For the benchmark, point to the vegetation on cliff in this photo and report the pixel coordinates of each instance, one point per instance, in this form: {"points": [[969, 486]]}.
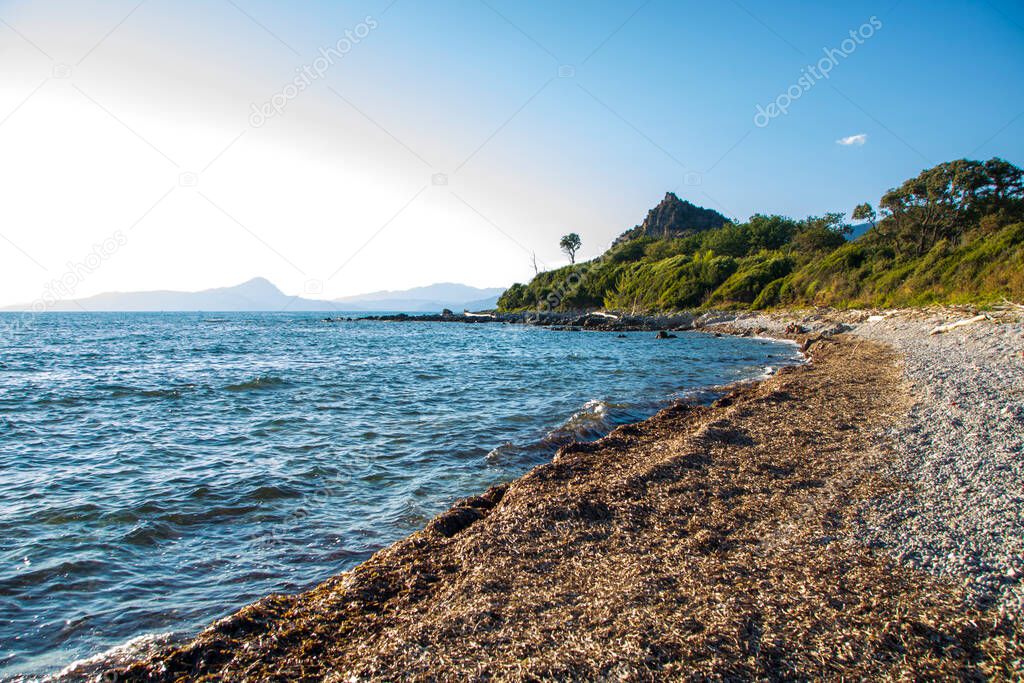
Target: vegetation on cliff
{"points": [[954, 233]]}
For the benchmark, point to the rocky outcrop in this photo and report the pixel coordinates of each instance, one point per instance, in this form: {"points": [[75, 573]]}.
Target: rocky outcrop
{"points": [[559, 320], [674, 217]]}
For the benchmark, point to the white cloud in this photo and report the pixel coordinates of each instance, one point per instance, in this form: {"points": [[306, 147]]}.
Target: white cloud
{"points": [[857, 140]]}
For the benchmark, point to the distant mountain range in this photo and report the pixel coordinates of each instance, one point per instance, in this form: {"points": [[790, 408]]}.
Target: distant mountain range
{"points": [[426, 299], [260, 294]]}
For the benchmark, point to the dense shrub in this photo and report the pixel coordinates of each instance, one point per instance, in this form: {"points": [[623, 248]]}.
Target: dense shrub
{"points": [[955, 233]]}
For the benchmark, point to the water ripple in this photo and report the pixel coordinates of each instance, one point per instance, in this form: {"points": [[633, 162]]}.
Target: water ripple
{"points": [[160, 471]]}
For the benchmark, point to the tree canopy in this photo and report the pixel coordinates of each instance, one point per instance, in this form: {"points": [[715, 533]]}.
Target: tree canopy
{"points": [[943, 201], [570, 244]]}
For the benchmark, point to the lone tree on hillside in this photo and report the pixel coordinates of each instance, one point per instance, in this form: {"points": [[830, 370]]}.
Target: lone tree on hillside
{"points": [[570, 244], [864, 212]]}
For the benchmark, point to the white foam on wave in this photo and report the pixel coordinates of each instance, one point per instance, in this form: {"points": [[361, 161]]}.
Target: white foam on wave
{"points": [[589, 422], [588, 418], [496, 454], [95, 669]]}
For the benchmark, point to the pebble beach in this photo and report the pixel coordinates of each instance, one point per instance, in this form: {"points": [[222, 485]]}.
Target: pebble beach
{"points": [[959, 450]]}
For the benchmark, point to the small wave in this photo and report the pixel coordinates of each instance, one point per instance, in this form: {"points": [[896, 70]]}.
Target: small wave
{"points": [[258, 383], [770, 370], [59, 573], [176, 392], [93, 668], [149, 534], [590, 422], [116, 391], [131, 516], [84, 512], [502, 452], [62, 401], [190, 519], [273, 492], [595, 419], [518, 418], [703, 395]]}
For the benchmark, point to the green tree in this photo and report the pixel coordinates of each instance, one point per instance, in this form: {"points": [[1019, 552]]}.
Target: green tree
{"points": [[865, 212], [570, 244], [1006, 181], [942, 201], [729, 240], [770, 232], [821, 233]]}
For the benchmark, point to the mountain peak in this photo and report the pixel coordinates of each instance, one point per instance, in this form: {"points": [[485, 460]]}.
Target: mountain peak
{"points": [[675, 217], [257, 294], [259, 286]]}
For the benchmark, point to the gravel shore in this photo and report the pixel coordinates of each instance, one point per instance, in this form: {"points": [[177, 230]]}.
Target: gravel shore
{"points": [[959, 453]]}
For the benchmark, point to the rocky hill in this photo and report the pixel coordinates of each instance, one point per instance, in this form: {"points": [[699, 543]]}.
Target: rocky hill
{"points": [[674, 217]]}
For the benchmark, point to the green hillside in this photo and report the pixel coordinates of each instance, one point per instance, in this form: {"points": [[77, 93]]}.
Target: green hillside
{"points": [[954, 234]]}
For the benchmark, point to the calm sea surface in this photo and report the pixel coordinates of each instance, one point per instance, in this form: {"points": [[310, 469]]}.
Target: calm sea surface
{"points": [[158, 471]]}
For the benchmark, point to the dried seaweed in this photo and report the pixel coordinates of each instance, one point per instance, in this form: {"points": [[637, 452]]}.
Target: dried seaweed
{"points": [[705, 543]]}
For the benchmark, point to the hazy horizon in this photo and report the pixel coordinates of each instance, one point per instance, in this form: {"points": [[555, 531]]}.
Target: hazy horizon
{"points": [[339, 149], [259, 294]]}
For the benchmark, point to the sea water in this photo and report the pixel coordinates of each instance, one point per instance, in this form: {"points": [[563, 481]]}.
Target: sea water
{"points": [[159, 471]]}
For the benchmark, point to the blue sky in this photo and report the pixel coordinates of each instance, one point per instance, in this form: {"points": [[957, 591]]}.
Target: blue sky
{"points": [[545, 117]]}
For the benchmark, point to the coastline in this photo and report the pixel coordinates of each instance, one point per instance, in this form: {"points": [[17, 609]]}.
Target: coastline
{"points": [[478, 574]]}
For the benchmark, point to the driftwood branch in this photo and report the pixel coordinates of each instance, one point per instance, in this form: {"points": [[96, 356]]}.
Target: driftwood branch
{"points": [[1007, 302], [959, 323]]}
